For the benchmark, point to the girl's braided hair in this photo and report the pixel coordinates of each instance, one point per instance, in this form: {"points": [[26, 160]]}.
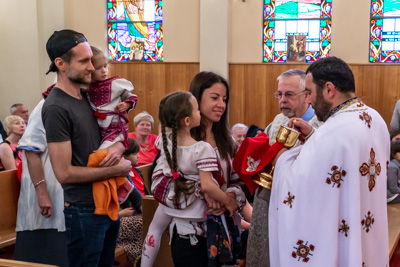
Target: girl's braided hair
{"points": [[173, 108]]}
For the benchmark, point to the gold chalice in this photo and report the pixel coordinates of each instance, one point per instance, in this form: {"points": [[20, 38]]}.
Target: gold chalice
{"points": [[265, 179], [287, 136]]}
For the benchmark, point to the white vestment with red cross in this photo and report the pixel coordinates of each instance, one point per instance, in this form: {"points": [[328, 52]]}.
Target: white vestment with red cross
{"points": [[328, 200]]}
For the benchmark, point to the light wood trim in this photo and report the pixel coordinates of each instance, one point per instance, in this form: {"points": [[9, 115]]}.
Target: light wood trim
{"points": [[146, 172], [393, 211], [9, 193], [14, 263]]}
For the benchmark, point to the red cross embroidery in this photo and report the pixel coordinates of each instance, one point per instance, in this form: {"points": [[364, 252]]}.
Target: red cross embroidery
{"points": [[371, 170], [336, 176], [303, 251], [367, 118], [289, 200], [344, 228], [368, 221]]}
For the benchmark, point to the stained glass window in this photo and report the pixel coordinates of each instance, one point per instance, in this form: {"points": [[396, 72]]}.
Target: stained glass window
{"points": [[307, 21], [385, 31], [135, 30]]}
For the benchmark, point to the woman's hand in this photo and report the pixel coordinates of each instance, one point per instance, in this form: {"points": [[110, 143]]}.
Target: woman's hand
{"points": [[232, 205], [214, 207]]}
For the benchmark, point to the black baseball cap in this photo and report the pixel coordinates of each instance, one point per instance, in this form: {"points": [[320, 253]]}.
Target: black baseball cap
{"points": [[60, 42]]}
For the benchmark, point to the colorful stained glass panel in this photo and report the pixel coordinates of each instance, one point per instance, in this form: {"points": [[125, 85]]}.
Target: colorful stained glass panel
{"points": [[311, 18], [135, 30], [385, 31]]}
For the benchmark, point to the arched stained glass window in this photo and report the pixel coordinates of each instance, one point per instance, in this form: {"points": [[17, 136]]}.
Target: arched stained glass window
{"points": [[297, 30], [135, 30], [385, 31]]}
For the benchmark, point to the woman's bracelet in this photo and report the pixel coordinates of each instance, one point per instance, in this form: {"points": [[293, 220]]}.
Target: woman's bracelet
{"points": [[38, 183]]}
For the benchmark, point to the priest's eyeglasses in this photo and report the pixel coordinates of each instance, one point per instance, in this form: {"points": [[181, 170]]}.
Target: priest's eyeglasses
{"points": [[288, 95]]}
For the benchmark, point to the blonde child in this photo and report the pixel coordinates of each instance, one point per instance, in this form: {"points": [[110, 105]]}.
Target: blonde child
{"points": [[111, 99], [183, 170]]}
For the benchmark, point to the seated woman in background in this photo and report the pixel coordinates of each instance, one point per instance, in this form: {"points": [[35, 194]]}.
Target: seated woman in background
{"points": [[394, 134], [10, 156], [393, 188], [144, 123], [238, 132]]}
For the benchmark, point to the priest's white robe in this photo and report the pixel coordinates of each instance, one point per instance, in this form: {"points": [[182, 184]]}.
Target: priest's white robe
{"points": [[328, 201]]}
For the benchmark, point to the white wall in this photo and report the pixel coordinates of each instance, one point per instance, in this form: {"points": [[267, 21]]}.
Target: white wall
{"points": [[22, 59]]}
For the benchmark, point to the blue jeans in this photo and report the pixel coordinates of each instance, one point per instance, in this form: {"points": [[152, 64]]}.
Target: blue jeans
{"points": [[91, 238]]}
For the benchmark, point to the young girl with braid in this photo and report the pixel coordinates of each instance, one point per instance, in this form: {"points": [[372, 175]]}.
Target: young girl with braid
{"points": [[183, 170]]}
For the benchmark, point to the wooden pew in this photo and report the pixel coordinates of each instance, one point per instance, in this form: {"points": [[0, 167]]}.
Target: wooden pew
{"points": [[164, 258], [9, 194], [393, 211], [146, 172], [13, 263]]}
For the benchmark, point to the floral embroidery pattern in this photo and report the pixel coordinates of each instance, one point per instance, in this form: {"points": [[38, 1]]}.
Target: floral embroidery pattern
{"points": [[372, 169], [252, 164], [344, 228], [149, 241], [336, 176], [367, 118], [289, 200], [368, 221], [213, 251], [303, 251]]}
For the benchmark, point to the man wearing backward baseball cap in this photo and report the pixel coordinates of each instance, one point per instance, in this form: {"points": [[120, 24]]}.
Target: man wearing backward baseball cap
{"points": [[72, 135]]}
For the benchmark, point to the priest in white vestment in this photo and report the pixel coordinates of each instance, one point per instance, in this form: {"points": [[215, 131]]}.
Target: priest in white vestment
{"points": [[328, 198]]}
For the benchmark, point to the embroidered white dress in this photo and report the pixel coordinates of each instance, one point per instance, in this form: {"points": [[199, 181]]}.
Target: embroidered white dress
{"points": [[104, 97], [29, 217], [328, 200], [187, 211]]}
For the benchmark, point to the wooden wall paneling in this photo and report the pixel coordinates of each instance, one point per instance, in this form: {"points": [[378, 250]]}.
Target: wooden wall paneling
{"points": [[253, 85], [152, 81]]}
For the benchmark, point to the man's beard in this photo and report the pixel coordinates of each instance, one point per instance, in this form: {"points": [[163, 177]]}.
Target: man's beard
{"points": [[76, 78], [321, 107]]}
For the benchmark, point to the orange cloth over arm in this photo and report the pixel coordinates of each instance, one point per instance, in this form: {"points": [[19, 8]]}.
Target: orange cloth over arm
{"points": [[105, 192]]}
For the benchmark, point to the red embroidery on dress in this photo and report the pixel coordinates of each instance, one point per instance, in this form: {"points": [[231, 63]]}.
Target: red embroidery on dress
{"points": [[303, 251], [372, 169], [344, 228], [289, 200], [367, 118], [100, 92], [368, 221], [336, 176]]}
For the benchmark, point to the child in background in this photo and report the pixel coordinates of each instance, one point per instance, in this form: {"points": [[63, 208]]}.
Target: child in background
{"points": [[111, 99], [183, 170], [135, 175], [130, 230], [393, 179]]}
